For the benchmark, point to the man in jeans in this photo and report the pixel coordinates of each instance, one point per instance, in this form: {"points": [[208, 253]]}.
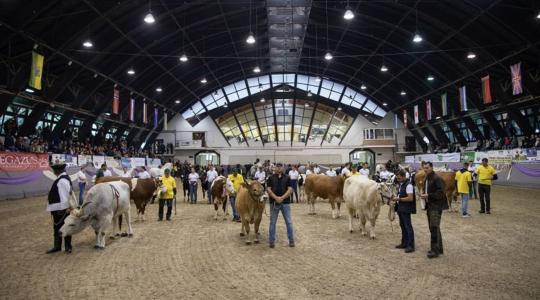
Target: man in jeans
{"points": [[473, 190], [463, 184], [279, 189], [436, 202], [237, 180], [485, 175], [167, 195]]}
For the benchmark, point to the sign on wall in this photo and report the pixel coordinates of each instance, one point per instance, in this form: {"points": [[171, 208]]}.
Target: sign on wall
{"points": [[20, 162]]}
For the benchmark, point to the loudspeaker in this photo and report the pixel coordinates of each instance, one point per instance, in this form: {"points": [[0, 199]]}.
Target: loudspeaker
{"points": [[410, 144]]}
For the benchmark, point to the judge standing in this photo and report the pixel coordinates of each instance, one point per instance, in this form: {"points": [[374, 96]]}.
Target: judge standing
{"points": [[59, 206]]}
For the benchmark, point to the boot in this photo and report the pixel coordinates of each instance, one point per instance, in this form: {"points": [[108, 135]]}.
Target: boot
{"points": [[67, 244], [57, 244]]}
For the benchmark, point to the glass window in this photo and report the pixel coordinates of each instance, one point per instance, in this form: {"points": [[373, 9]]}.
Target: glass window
{"points": [[277, 79], [370, 106]]}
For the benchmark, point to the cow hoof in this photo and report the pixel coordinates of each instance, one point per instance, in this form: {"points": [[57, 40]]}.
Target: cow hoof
{"points": [[372, 237], [350, 231], [256, 242], [248, 243], [130, 235], [112, 237], [98, 247], [242, 234]]}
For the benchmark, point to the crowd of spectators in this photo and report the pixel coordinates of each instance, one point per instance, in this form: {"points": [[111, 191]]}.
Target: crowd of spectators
{"points": [[42, 140]]}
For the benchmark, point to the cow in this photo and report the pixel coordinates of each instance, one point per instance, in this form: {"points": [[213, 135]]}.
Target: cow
{"points": [[250, 206], [364, 197], [450, 188], [220, 189], [103, 204], [326, 187], [141, 193]]}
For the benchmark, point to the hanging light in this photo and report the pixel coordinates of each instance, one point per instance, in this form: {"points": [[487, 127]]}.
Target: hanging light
{"points": [[417, 38], [430, 78], [29, 90], [262, 100], [363, 87], [317, 79], [88, 43], [328, 56], [183, 58], [225, 105], [257, 69], [471, 55], [403, 93], [203, 80], [339, 108], [348, 15], [385, 104], [309, 94], [159, 89], [384, 68], [306, 105], [131, 71], [250, 39], [177, 101], [538, 15], [149, 18]]}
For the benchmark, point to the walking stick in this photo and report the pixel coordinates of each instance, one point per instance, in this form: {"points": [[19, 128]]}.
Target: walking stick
{"points": [[175, 204]]}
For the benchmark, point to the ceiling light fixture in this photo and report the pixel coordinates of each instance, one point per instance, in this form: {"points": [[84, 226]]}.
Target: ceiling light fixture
{"points": [[417, 38], [257, 69], [363, 87], [131, 71], [306, 105], [471, 55], [88, 43], [250, 39], [29, 90], [203, 80], [328, 56], [149, 18], [430, 78], [309, 94], [183, 58], [263, 100], [339, 108], [159, 89], [225, 105], [438, 117], [177, 101], [385, 104], [538, 15], [348, 15], [403, 93], [384, 68], [317, 79]]}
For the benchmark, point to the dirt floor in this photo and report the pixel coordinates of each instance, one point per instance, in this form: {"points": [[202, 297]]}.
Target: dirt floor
{"points": [[486, 257]]}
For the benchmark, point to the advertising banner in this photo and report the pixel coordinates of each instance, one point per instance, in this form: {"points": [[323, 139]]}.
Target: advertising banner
{"points": [[469, 156], [126, 162], [84, 159], [98, 160], [138, 161], [409, 159], [154, 162], [22, 162]]}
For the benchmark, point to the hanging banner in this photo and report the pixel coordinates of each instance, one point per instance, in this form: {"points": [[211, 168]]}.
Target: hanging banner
{"points": [[516, 79], [486, 90], [428, 110], [116, 100], [405, 118], [441, 157], [132, 110], [444, 105], [36, 71], [165, 121], [145, 114], [21, 162], [416, 119], [156, 114], [463, 98]]}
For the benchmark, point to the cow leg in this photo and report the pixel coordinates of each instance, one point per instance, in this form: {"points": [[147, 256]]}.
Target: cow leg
{"points": [[351, 216], [339, 209], [333, 204], [115, 223], [372, 229], [216, 211], [224, 206], [128, 220], [363, 223], [245, 224]]}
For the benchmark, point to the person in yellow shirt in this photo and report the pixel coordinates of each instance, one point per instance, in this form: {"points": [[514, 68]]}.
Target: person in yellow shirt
{"points": [[463, 183], [168, 192], [486, 174], [354, 171], [237, 180]]}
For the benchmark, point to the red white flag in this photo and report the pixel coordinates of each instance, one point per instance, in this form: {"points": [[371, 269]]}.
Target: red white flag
{"points": [[516, 79], [416, 119], [428, 110], [405, 118], [132, 110], [116, 100], [144, 114], [486, 90]]}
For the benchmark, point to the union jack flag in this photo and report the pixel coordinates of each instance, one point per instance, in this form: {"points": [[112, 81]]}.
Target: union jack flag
{"points": [[516, 79]]}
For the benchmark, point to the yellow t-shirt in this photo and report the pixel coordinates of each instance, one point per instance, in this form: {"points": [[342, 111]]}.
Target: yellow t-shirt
{"points": [[170, 184], [463, 180], [354, 174], [236, 181], [485, 174]]}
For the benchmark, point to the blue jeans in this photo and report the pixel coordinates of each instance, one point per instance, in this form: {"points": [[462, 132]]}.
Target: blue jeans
{"points": [[193, 193], [473, 191], [464, 203], [82, 185], [235, 214], [274, 212], [294, 185], [407, 231]]}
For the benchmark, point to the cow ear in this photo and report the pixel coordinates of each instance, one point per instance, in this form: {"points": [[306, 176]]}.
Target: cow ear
{"points": [[244, 184]]}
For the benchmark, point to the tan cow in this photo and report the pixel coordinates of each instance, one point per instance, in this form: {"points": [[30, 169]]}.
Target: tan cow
{"points": [[450, 188], [325, 187], [364, 198], [141, 193], [250, 206], [220, 189]]}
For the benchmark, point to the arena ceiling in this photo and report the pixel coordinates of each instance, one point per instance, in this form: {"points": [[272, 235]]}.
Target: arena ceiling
{"points": [[461, 41]]}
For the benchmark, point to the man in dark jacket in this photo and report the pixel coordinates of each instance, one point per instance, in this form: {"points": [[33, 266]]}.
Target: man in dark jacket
{"points": [[436, 202], [405, 207]]}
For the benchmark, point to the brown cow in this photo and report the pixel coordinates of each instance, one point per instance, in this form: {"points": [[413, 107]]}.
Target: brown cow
{"points": [[250, 206], [326, 187], [142, 190], [220, 189], [450, 188]]}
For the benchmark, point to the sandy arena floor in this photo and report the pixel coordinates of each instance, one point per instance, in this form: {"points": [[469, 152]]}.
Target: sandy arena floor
{"points": [[486, 257]]}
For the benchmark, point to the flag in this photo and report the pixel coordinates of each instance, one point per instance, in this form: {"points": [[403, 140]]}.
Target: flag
{"points": [[486, 90], [165, 120], [428, 110], [444, 104], [405, 118], [463, 98], [116, 100], [36, 72], [516, 79], [156, 114], [132, 110], [144, 114], [395, 121], [416, 121]]}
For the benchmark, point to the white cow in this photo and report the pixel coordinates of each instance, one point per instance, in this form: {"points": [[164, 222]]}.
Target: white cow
{"points": [[101, 207], [364, 197]]}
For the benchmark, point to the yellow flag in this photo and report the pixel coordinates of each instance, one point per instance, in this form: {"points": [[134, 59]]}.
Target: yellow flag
{"points": [[37, 71]]}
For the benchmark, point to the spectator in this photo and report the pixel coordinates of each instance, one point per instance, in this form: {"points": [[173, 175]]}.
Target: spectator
{"points": [[193, 179], [464, 185], [486, 173], [81, 177]]}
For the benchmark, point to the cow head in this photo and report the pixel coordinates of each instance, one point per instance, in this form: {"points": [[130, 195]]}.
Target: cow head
{"points": [[229, 185], [255, 189], [75, 222], [386, 191]]}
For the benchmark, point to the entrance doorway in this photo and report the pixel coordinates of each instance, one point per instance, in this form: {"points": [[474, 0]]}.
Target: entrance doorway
{"points": [[205, 158]]}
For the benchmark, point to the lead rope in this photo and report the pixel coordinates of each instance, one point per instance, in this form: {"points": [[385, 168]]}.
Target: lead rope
{"points": [[116, 195]]}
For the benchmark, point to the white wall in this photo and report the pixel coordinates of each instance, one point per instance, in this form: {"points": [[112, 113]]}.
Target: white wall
{"points": [[299, 153]]}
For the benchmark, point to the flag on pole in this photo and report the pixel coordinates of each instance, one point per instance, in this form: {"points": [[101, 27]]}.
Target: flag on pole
{"points": [[36, 72], [463, 98], [116, 100], [486, 90], [132, 110], [416, 121], [444, 104], [144, 114], [428, 109], [395, 121], [165, 120], [516, 79], [156, 114], [405, 118]]}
